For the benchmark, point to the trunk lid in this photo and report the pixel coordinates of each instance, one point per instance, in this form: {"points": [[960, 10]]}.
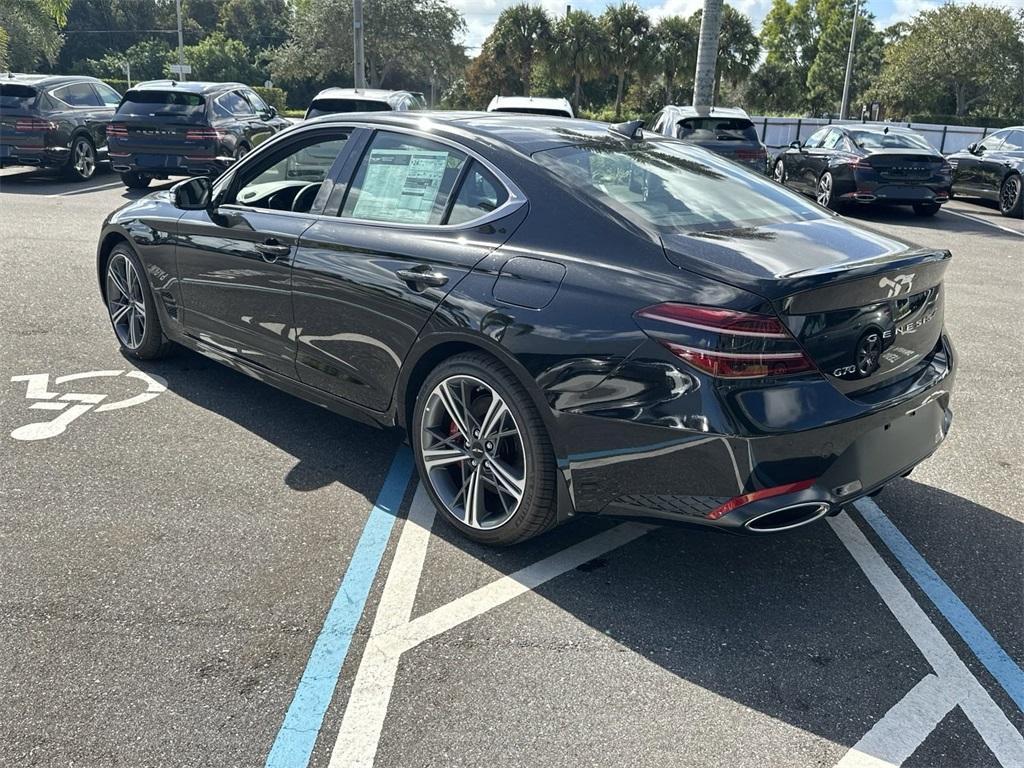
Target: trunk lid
{"points": [[162, 123], [867, 309], [20, 122], [898, 165]]}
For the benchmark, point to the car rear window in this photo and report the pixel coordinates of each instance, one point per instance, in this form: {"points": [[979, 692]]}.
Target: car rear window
{"points": [[156, 103], [14, 96], [716, 129], [675, 187], [336, 106], [881, 140]]}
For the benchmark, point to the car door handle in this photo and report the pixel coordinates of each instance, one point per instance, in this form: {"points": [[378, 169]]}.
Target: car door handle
{"points": [[271, 250], [423, 276]]}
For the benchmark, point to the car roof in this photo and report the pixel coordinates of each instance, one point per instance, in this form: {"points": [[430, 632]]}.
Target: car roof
{"points": [[189, 86], [529, 102], [687, 111], [523, 133], [363, 94], [45, 80]]}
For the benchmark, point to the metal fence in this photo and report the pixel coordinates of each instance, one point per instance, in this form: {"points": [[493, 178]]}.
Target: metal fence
{"points": [[778, 132]]}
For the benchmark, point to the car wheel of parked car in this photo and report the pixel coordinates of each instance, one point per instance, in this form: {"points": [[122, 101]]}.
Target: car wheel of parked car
{"points": [[483, 452], [135, 180], [779, 174], [1011, 197], [926, 209], [131, 306], [826, 191], [240, 152], [82, 162]]}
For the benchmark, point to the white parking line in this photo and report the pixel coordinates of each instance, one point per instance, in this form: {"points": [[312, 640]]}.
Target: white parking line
{"points": [[86, 190], [978, 220]]}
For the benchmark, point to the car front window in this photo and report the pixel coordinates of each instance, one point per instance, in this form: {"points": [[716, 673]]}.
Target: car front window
{"points": [[277, 182], [675, 187]]}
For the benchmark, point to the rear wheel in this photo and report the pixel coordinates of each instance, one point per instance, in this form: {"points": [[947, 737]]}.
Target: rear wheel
{"points": [[779, 173], [826, 191], [483, 452], [926, 209], [1011, 197], [131, 306], [135, 180], [82, 162]]}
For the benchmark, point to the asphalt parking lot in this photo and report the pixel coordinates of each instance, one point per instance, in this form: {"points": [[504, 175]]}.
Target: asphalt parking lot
{"points": [[199, 570]]}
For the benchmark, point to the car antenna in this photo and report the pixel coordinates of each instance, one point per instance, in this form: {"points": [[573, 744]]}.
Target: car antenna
{"points": [[630, 129]]}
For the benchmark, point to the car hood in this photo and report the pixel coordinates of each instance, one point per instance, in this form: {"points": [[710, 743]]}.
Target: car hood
{"points": [[774, 260]]}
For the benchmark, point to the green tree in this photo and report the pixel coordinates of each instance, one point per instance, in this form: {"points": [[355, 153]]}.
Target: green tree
{"points": [[30, 31], [148, 60], [772, 90], [216, 57], [260, 24], [738, 48], [578, 50], [957, 56], [627, 29], [487, 76], [521, 35], [675, 51], [826, 74]]}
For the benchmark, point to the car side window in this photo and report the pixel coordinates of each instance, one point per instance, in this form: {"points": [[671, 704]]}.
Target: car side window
{"points": [[403, 180], [108, 95], [1014, 142], [832, 138], [815, 139], [993, 142], [77, 95], [257, 103], [232, 103], [479, 194], [290, 179]]}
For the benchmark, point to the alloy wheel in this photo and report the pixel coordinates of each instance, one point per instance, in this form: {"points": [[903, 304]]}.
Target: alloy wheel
{"points": [[780, 172], [1009, 193], [125, 301], [84, 158], [473, 452], [824, 196]]}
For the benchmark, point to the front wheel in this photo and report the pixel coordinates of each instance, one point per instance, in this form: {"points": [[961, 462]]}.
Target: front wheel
{"points": [[826, 191], [483, 452], [926, 209], [135, 180], [131, 306], [82, 162], [1011, 197]]}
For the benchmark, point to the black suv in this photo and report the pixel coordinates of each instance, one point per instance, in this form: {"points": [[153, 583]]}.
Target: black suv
{"points": [[167, 128], [50, 121]]}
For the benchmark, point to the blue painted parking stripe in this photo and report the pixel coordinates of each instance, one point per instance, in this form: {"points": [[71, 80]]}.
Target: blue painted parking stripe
{"points": [[997, 661], [294, 743]]}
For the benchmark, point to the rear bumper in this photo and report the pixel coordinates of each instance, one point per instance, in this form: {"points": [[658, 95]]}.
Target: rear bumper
{"points": [[39, 156], [162, 166], [740, 482], [868, 187]]}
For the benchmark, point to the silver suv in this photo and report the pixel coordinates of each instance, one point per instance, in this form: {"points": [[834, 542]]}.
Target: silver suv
{"points": [[726, 131]]}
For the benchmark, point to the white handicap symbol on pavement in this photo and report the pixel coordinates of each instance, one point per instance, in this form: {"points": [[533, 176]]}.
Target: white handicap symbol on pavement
{"points": [[74, 404]]}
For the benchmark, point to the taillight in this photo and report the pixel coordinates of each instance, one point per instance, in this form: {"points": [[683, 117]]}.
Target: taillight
{"points": [[117, 130], [751, 154], [33, 125], [201, 134], [725, 343], [862, 162]]}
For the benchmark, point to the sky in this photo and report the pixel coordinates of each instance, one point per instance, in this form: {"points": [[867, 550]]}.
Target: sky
{"points": [[480, 14]]}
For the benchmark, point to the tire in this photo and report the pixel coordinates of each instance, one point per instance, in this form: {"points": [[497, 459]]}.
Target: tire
{"points": [[82, 161], [241, 151], [1011, 196], [779, 172], [135, 180], [825, 191], [139, 334], [521, 457], [926, 209]]}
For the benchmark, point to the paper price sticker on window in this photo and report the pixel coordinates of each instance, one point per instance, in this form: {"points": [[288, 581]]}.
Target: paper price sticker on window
{"points": [[401, 185]]}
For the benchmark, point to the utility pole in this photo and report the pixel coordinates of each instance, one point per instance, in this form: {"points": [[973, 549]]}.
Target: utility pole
{"points": [[359, 61], [181, 44], [844, 110], [707, 53]]}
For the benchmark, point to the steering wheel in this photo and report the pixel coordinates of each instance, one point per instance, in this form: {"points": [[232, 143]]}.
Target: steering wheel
{"points": [[304, 199]]}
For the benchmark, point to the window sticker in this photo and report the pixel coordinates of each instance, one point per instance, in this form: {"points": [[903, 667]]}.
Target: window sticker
{"points": [[401, 185]]}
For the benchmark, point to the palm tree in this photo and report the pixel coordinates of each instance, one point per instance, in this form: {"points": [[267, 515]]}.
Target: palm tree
{"points": [[521, 34], [736, 52], [707, 52], [676, 39], [578, 48], [627, 28]]}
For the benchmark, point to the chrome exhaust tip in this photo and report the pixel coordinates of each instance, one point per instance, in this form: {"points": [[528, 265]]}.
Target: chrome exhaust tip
{"points": [[787, 518]]}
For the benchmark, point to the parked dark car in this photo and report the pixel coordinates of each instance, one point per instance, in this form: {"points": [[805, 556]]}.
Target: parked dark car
{"points": [[992, 169], [332, 101], [726, 131], [166, 128], [864, 164], [563, 317], [51, 121]]}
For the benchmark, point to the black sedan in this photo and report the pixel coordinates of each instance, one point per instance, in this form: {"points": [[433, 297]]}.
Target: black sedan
{"points": [[992, 169], [51, 121], [867, 164], [565, 318], [165, 128]]}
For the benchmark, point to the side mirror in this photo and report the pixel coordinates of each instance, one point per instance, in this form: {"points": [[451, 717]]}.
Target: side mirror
{"points": [[193, 194], [272, 111], [795, 144]]}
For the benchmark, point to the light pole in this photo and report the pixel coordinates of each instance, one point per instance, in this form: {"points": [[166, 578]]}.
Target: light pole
{"points": [[844, 110], [359, 63], [181, 44], [707, 53]]}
